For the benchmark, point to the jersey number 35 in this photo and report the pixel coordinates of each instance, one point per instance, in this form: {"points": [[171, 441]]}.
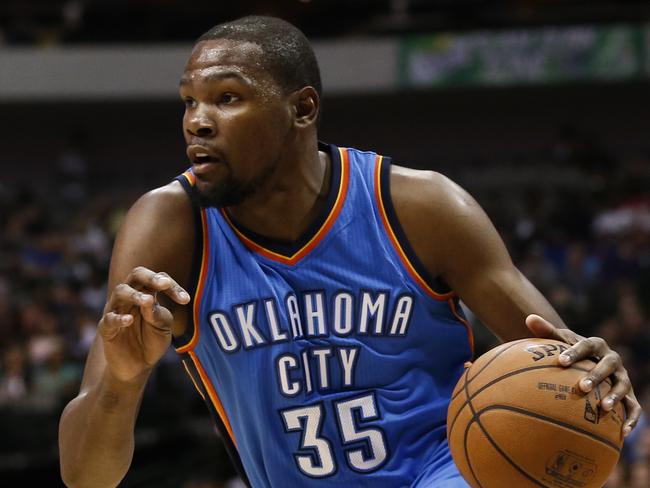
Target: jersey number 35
{"points": [[315, 457]]}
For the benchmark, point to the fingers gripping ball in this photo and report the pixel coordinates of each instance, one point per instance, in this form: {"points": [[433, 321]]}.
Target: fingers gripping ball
{"points": [[518, 419]]}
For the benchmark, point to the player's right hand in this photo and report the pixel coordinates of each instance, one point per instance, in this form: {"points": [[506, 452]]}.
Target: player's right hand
{"points": [[135, 329]]}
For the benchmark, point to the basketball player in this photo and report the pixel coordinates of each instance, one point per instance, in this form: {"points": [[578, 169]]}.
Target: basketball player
{"points": [[311, 290]]}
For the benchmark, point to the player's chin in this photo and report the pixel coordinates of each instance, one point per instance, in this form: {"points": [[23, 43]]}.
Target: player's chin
{"points": [[208, 193], [221, 194]]}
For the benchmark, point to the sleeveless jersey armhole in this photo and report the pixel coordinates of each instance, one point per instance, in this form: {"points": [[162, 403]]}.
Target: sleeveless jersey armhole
{"points": [[434, 287], [188, 339], [204, 387], [185, 343]]}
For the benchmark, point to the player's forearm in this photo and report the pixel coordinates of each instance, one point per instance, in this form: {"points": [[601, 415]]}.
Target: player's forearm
{"points": [[96, 433], [502, 300]]}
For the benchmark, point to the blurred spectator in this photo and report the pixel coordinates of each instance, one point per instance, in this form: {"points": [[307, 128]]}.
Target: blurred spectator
{"points": [[640, 468], [535, 267], [71, 172], [56, 379], [82, 339], [44, 335], [13, 375]]}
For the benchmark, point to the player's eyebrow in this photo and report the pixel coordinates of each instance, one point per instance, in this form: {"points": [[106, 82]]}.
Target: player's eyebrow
{"points": [[217, 76]]}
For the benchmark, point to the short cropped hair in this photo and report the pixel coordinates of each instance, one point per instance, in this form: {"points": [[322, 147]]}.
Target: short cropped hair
{"points": [[288, 55]]}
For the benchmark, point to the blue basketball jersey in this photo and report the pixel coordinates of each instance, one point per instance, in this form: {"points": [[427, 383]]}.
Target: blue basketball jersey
{"points": [[330, 361]]}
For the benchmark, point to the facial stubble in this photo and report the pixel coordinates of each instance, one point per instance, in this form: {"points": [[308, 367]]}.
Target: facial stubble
{"points": [[233, 191]]}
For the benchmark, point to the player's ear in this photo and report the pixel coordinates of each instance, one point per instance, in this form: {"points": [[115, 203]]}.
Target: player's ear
{"points": [[306, 105]]}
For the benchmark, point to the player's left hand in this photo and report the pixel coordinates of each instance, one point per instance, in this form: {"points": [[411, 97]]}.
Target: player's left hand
{"points": [[609, 365]]}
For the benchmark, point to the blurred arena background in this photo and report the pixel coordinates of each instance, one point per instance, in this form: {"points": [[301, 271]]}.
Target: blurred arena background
{"points": [[540, 108]]}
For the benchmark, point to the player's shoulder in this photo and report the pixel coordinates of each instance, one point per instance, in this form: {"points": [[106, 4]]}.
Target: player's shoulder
{"points": [[165, 211], [433, 212], [171, 197], [428, 193], [157, 232], [167, 206]]}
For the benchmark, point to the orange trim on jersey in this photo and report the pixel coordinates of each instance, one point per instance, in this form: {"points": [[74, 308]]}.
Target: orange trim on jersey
{"points": [[318, 236], [199, 287], [193, 380], [190, 177], [393, 238], [212, 393], [470, 332]]}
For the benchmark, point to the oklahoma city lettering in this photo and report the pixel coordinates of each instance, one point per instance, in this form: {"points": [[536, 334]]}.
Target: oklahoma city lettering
{"points": [[265, 322]]}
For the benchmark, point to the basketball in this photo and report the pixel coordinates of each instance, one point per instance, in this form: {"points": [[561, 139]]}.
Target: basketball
{"points": [[517, 418]]}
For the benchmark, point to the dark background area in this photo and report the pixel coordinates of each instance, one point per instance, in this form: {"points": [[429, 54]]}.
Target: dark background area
{"points": [[141, 21], [141, 142]]}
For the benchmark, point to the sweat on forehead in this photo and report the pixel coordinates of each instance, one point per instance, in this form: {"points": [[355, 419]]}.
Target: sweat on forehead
{"points": [[210, 58], [227, 52]]}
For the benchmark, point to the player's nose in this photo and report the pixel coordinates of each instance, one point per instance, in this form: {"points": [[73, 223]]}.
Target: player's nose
{"points": [[200, 124]]}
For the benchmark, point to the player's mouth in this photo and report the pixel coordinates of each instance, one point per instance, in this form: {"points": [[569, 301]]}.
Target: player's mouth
{"points": [[202, 158]]}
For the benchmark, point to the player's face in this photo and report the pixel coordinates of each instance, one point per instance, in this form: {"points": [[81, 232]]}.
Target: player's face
{"points": [[237, 120]]}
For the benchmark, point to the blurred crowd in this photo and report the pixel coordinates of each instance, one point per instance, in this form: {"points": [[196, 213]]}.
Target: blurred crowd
{"points": [[55, 249], [582, 238]]}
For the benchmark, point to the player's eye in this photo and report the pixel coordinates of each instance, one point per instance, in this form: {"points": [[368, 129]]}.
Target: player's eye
{"points": [[189, 102], [228, 98]]}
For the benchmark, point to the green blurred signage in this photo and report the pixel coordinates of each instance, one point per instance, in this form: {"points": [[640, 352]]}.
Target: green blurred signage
{"points": [[545, 55]]}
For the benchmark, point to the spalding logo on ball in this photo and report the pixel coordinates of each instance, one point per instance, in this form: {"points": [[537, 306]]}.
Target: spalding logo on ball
{"points": [[518, 419]]}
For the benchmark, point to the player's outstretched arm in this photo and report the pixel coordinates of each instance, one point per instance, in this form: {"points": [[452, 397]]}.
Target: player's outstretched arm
{"points": [[456, 240], [96, 429]]}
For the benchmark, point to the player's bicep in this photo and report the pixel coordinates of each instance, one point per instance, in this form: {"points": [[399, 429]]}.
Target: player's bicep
{"points": [[478, 267], [127, 251], [146, 238], [157, 233], [472, 252]]}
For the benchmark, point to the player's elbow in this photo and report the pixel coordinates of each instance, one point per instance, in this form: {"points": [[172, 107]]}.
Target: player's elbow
{"points": [[72, 473], [81, 467], [76, 477], [70, 477], [69, 474], [76, 473]]}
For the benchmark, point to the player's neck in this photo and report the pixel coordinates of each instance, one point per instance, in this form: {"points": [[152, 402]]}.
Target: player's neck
{"points": [[291, 200]]}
